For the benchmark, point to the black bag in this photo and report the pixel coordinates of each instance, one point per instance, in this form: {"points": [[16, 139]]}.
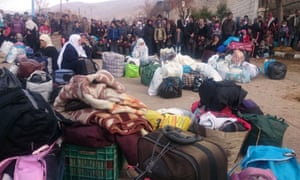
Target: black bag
{"points": [[90, 66], [29, 121], [31, 124], [216, 95], [277, 70], [8, 80], [170, 87], [172, 154]]}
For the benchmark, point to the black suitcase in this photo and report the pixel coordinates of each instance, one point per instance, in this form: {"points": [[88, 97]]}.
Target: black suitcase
{"points": [[172, 154]]}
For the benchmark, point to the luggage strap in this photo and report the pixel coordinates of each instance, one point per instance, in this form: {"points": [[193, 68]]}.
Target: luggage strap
{"points": [[154, 158]]}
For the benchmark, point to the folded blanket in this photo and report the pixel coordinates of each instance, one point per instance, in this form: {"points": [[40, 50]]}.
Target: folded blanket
{"points": [[106, 99]]}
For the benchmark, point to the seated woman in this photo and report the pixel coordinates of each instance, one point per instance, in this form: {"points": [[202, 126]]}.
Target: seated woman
{"points": [[211, 48], [49, 50], [69, 56], [140, 49]]}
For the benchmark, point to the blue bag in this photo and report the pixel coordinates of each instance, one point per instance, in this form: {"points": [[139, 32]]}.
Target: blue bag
{"points": [[282, 161]]}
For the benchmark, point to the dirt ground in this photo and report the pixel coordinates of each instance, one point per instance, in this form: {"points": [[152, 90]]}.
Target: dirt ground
{"points": [[275, 97]]}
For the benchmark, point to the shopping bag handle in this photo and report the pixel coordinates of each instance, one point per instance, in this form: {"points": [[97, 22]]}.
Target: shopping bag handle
{"points": [[175, 134]]}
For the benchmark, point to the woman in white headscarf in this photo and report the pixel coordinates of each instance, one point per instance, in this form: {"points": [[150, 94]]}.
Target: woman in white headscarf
{"points": [[70, 53], [140, 50]]}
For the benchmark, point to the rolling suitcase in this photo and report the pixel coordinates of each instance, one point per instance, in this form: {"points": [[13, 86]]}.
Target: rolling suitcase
{"points": [[172, 154]]}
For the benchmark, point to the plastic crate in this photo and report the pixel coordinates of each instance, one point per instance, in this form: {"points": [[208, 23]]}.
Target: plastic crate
{"points": [[92, 163]]}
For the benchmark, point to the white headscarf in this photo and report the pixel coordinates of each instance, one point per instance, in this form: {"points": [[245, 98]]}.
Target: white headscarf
{"points": [[74, 41], [140, 50]]}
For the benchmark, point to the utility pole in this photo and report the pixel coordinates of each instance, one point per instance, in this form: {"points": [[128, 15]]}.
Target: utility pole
{"points": [[32, 8]]}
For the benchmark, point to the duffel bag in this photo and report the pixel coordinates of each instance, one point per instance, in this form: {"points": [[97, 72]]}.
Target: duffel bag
{"points": [[277, 70], [147, 71], [170, 87], [172, 154]]}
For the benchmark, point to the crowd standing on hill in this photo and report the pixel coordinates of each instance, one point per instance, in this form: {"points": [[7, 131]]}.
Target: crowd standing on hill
{"points": [[189, 36]]}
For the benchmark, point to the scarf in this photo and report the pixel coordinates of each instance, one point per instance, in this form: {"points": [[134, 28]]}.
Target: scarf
{"points": [[74, 41]]}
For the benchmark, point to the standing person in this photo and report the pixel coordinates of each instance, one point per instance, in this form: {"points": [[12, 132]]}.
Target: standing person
{"points": [[66, 28], [294, 29], [160, 37], [17, 25], [284, 34], [49, 50], [77, 29], [69, 55], [86, 27], [45, 28], [189, 37], [149, 36], [228, 27], [113, 37], [32, 34], [170, 31]]}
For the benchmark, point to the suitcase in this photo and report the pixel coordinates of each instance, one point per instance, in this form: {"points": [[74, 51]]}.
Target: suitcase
{"points": [[172, 154]]}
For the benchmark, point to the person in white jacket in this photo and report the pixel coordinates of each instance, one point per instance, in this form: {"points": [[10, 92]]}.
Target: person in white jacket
{"points": [[140, 50]]}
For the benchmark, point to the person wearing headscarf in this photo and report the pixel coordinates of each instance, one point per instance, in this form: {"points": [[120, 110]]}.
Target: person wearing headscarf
{"points": [[49, 50], [140, 50], [70, 53]]}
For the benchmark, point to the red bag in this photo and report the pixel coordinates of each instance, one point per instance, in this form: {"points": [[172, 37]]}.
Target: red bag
{"points": [[28, 66], [87, 135]]}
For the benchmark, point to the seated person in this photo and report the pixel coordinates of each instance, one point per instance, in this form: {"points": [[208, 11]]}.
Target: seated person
{"points": [[49, 50], [211, 48], [70, 54], [140, 49]]}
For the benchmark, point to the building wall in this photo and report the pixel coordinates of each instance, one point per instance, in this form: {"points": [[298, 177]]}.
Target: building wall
{"points": [[240, 8]]}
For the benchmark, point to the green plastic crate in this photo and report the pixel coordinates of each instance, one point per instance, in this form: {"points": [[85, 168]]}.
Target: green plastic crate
{"points": [[92, 163]]}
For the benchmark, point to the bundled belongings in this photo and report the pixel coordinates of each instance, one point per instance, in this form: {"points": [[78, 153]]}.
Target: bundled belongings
{"points": [[147, 71], [114, 63], [40, 82], [170, 153], [160, 119], [222, 127], [32, 124], [100, 99], [266, 130], [44, 163], [275, 69], [170, 87], [281, 163], [216, 95]]}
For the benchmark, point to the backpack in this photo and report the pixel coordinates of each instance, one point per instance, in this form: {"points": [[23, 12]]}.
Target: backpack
{"points": [[32, 123], [216, 95], [26, 167]]}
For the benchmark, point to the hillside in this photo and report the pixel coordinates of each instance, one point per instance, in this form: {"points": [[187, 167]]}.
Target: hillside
{"points": [[104, 10]]}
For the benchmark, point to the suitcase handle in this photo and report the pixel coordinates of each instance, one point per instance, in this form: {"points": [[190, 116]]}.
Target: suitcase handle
{"points": [[175, 134]]}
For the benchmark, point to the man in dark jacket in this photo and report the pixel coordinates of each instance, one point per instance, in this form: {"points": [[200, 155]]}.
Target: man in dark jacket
{"points": [[113, 37], [228, 27], [149, 36]]}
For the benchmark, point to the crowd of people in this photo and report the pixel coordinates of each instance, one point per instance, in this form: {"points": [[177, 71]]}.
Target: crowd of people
{"points": [[187, 36]]}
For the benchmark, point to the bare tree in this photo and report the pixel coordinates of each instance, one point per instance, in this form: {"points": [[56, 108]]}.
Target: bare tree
{"points": [[279, 5], [184, 7], [148, 7], [41, 5]]}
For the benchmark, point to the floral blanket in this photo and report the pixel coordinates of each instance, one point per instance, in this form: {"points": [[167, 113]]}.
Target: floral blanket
{"points": [[106, 104]]}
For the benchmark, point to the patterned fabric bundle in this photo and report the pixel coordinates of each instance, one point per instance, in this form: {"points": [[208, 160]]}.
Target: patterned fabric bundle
{"points": [[106, 103]]}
